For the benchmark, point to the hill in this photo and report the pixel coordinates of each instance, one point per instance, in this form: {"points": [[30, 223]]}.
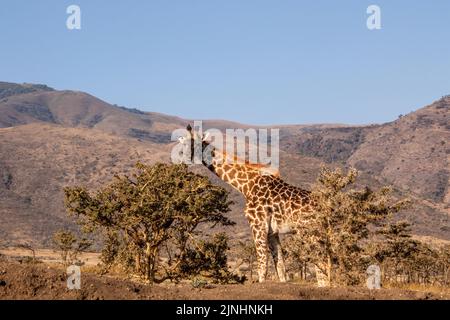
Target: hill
{"points": [[50, 139]]}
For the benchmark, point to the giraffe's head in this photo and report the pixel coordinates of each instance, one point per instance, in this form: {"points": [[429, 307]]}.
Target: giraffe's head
{"points": [[204, 149]]}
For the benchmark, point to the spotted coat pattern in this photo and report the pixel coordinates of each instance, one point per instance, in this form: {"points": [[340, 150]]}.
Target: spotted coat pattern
{"points": [[272, 207]]}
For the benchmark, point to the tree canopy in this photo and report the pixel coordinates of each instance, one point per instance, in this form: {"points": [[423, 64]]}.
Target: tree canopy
{"points": [[158, 206]]}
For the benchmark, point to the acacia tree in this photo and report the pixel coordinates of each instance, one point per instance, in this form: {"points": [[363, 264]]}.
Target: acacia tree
{"points": [[407, 260], [70, 246], [296, 256], [141, 214], [333, 234], [395, 250], [246, 253], [444, 263]]}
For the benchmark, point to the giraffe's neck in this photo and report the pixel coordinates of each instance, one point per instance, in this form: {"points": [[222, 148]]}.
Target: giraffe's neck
{"points": [[240, 175]]}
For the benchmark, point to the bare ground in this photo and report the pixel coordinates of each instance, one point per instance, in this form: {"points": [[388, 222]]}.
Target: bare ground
{"points": [[26, 281]]}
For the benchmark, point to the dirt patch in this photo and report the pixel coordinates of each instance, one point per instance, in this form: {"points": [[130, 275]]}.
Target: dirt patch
{"points": [[40, 281]]}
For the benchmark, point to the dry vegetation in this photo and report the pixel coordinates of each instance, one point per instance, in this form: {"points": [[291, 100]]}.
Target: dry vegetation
{"points": [[38, 281], [54, 139], [160, 207]]}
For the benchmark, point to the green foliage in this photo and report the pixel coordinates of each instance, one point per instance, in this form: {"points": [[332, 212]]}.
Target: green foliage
{"points": [[70, 246], [397, 243], [406, 260], [332, 238], [159, 206], [351, 229], [296, 256], [246, 253], [209, 258]]}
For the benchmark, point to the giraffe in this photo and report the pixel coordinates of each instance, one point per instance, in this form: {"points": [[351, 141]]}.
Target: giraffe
{"points": [[273, 207]]}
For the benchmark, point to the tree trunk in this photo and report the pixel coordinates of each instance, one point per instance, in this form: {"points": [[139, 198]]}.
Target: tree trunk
{"points": [[251, 267], [149, 263], [137, 267], [329, 266]]}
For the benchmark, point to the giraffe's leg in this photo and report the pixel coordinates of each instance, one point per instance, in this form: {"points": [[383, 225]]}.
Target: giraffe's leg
{"points": [[277, 255], [262, 250], [257, 219]]}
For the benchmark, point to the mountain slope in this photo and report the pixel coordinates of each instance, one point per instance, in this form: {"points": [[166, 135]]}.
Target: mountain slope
{"points": [[38, 160], [412, 152], [8, 89], [81, 110], [50, 139]]}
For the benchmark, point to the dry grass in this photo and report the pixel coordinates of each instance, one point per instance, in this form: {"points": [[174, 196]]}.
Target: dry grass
{"points": [[438, 290], [49, 256], [62, 138]]}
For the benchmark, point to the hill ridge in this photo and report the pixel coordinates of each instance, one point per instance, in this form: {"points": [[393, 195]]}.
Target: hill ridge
{"points": [[51, 138]]}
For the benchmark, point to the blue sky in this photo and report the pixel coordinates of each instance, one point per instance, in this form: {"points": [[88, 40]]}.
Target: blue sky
{"points": [[253, 61]]}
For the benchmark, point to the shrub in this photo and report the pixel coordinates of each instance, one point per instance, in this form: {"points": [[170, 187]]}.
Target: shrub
{"points": [[160, 206], [332, 237], [70, 246]]}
